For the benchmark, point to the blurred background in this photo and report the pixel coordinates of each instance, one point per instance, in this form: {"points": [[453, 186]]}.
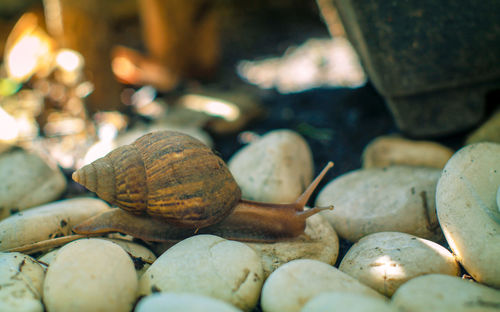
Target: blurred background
{"points": [[79, 78]]}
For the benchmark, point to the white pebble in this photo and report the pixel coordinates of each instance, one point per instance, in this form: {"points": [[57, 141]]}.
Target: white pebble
{"points": [[143, 256], [90, 275], [435, 292], [319, 242], [397, 198], [466, 207], [276, 169], [386, 260], [26, 180], [21, 280], [391, 150], [207, 265], [181, 302], [344, 301], [293, 284], [47, 221]]}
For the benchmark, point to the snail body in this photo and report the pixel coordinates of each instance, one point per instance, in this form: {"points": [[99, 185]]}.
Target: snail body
{"points": [[172, 186]]}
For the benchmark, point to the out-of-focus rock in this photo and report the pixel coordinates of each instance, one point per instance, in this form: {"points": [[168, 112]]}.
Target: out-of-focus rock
{"points": [[487, 132], [26, 180], [390, 150]]}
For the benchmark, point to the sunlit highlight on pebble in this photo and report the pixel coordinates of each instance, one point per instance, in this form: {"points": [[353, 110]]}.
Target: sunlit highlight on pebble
{"points": [[211, 106], [8, 126]]}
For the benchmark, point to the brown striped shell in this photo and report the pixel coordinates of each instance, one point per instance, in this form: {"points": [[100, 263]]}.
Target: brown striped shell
{"points": [[167, 175]]}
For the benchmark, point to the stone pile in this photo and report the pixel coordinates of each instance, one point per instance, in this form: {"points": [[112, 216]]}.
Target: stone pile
{"points": [[423, 220]]}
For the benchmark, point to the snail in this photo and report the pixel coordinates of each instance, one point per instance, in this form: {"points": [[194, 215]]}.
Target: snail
{"points": [[169, 186]]}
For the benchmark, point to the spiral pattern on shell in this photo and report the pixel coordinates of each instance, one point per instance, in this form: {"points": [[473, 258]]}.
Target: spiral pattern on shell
{"points": [[165, 174]]}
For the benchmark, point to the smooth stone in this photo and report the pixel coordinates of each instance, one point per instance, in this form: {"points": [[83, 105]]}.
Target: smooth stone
{"points": [[344, 301], [276, 168], [90, 275], [387, 151], [467, 210], [48, 221], [444, 293], [487, 132], [396, 199], [21, 279], [141, 256], [293, 284], [384, 261], [180, 302], [26, 180], [319, 242], [207, 265]]}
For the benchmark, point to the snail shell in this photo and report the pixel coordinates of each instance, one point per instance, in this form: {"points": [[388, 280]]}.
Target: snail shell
{"points": [[167, 175]]}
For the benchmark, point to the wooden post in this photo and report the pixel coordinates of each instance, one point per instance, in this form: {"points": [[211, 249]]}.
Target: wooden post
{"points": [[86, 29]]}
